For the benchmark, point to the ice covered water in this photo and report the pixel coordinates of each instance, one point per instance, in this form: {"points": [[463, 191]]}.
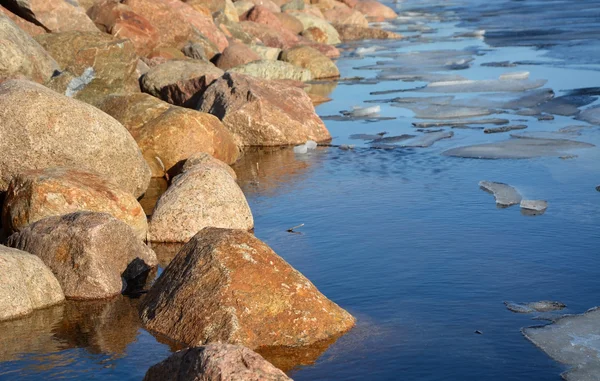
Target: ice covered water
{"points": [[504, 194]]}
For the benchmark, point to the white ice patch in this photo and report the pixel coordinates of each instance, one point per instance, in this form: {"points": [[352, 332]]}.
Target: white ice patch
{"points": [[301, 149], [79, 83]]}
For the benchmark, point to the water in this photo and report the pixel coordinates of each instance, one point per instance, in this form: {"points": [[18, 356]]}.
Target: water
{"points": [[404, 239]]}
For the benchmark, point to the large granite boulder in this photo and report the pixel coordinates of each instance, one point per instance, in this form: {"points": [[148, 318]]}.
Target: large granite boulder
{"points": [[204, 195], [269, 36], [342, 14], [236, 54], [119, 20], [215, 362], [98, 63], [263, 113], [53, 15], [354, 33], [27, 26], [375, 10], [21, 55], [228, 286], [266, 69], [202, 158], [310, 21], [88, 252], [309, 58], [26, 284], [37, 194], [42, 129], [180, 82]]}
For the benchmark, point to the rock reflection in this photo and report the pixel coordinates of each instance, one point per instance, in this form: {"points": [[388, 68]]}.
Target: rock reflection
{"points": [[289, 358], [165, 251], [156, 188]]}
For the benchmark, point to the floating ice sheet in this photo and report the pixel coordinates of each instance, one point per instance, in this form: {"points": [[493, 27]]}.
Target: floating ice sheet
{"points": [[483, 86], [590, 115], [458, 123], [504, 194], [541, 306], [444, 111], [426, 140], [518, 149]]}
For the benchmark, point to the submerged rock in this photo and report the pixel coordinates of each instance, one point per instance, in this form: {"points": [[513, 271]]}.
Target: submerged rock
{"points": [[215, 362], [572, 340], [541, 306], [228, 286], [518, 149], [504, 194]]}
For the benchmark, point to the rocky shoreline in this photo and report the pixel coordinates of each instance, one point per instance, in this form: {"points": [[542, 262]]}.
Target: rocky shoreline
{"points": [[99, 96]]}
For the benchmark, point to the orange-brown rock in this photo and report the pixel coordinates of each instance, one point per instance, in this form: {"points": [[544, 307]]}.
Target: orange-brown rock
{"points": [[21, 55], [236, 54], [282, 39], [309, 58], [228, 286], [202, 158], [179, 133], [374, 9], [35, 195], [309, 21], [53, 15], [180, 82], [87, 252], [263, 113], [119, 20], [203, 196], [315, 34], [329, 51], [215, 362], [270, 5], [342, 14], [354, 33], [29, 27], [264, 16], [133, 111], [350, 3], [290, 22], [164, 54]]}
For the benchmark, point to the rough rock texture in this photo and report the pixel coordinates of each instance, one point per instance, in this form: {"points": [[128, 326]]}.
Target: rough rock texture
{"points": [[28, 27], [263, 113], [37, 194], [315, 34], [286, 25], [228, 286], [290, 22], [310, 21], [53, 15], [353, 33], [274, 70], [202, 158], [119, 20], [236, 54], [179, 133], [311, 59], [211, 5], [327, 50], [266, 52], [205, 195], [86, 251], [110, 64], [180, 82], [282, 39], [344, 15], [374, 9], [21, 55], [270, 5], [215, 362], [26, 284], [42, 129]]}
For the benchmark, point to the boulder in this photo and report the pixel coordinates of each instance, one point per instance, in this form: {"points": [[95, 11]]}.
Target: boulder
{"points": [[215, 362], [53, 15], [119, 20], [243, 6], [236, 54], [374, 9], [205, 195], [309, 58], [290, 22], [349, 3], [234, 30], [228, 286], [315, 34], [309, 21], [327, 50], [180, 82], [178, 133], [281, 23], [268, 4], [274, 70], [100, 64], [282, 39], [354, 33], [263, 113], [230, 12], [212, 5], [342, 14], [42, 129], [202, 158], [266, 52], [28, 27], [88, 252], [195, 50], [293, 5], [21, 55], [37, 194], [163, 54], [26, 284]]}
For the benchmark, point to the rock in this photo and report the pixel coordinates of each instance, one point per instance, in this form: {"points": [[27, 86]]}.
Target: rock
{"points": [[234, 30], [354, 33], [290, 23], [42, 129], [504, 194], [268, 4], [119, 20], [26, 284], [282, 39], [163, 54], [195, 51], [266, 52], [215, 362], [598, 188], [293, 5], [309, 21], [230, 12], [35, 195], [236, 54], [212, 5], [263, 113], [180, 82], [315, 34], [274, 70], [328, 51], [374, 9], [350, 3], [311, 59], [178, 133], [202, 158], [86, 251], [344, 15], [205, 195], [28, 27], [228, 286], [110, 63], [243, 6], [53, 15], [21, 55], [542, 306], [535, 205]]}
